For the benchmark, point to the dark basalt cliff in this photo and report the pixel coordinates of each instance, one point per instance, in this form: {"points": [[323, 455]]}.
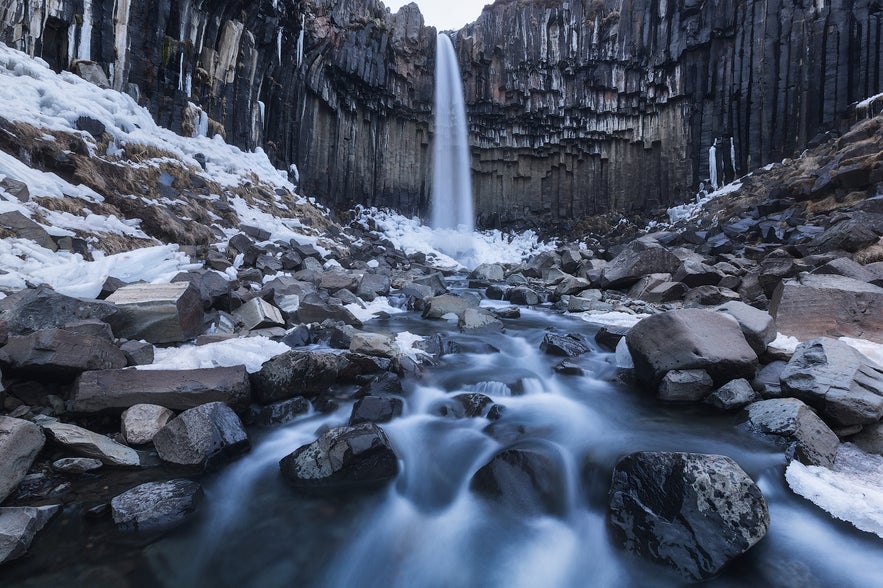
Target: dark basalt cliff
{"points": [[576, 107]]}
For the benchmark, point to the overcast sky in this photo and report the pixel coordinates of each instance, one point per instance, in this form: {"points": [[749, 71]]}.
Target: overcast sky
{"points": [[444, 14]]}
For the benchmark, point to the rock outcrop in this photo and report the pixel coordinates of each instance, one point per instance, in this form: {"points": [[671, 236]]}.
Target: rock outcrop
{"points": [[576, 108]]}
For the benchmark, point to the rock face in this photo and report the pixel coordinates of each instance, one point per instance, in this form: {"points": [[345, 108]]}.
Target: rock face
{"points": [[202, 437], [835, 379], [174, 389], [342, 458], [591, 106], [691, 512], [690, 339], [156, 505], [20, 442]]}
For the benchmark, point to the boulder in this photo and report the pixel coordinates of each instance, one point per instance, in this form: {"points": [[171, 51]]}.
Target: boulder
{"points": [[342, 458], [257, 313], [372, 285], [295, 373], [853, 232], [758, 326], [157, 313], [695, 273], [20, 442], [526, 481], [733, 395], [202, 437], [479, 320], [376, 409], [174, 389], [488, 272], [138, 352], [43, 308], [571, 286], [816, 305], [18, 527], [376, 344], [870, 440], [278, 413], [690, 339], [141, 422], [439, 306], [156, 506], [685, 386], [569, 345], [691, 512], [523, 295], [57, 352], [16, 188], [316, 312], [89, 444], [843, 385], [77, 465], [638, 259], [337, 280], [793, 425], [24, 228], [843, 266]]}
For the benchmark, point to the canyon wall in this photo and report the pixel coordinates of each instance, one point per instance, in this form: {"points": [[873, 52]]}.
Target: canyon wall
{"points": [[576, 107]]}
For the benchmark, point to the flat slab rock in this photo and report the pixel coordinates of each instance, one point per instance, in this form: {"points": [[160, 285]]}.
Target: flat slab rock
{"points": [[61, 352], [89, 444], [103, 390], [835, 379], [156, 505], [690, 339], [43, 308], [343, 458], [691, 512]]}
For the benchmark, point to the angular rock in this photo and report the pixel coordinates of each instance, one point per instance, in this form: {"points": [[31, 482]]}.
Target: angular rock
{"points": [[20, 442], [843, 385], [691, 512], [317, 312], [295, 373], [278, 413], [156, 505], [77, 465], [709, 296], [343, 458], [376, 409], [18, 527], [58, 352], [257, 313], [439, 306], [733, 395], [375, 344], [843, 266], [570, 286], [794, 426], [525, 480], [816, 305], [695, 273], [690, 339], [523, 295], [89, 444], [758, 326], [637, 260], [569, 345], [338, 280], [685, 386], [16, 188], [138, 352], [609, 335], [769, 379], [141, 422], [24, 228], [43, 308], [202, 437], [853, 232], [870, 440], [488, 272], [174, 389], [479, 320], [157, 313], [372, 285]]}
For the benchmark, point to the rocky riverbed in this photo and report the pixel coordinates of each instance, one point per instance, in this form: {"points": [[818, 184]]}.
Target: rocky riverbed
{"points": [[292, 399]]}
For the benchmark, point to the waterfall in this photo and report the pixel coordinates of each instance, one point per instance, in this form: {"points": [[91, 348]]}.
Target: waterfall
{"points": [[451, 181]]}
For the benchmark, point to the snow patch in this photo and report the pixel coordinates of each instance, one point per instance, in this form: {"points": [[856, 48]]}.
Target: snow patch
{"points": [[251, 352], [371, 309]]}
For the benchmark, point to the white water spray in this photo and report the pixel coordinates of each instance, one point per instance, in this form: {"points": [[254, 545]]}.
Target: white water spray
{"points": [[451, 181]]}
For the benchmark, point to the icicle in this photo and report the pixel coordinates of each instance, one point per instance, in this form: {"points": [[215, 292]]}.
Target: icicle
{"points": [[202, 127], [71, 44], [188, 84], [733, 156], [181, 73], [300, 40], [279, 45], [712, 166], [85, 49]]}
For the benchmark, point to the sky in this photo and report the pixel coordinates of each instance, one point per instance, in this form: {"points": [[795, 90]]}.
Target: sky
{"points": [[444, 14]]}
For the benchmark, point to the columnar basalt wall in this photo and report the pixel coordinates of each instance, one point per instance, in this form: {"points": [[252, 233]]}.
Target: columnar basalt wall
{"points": [[576, 107]]}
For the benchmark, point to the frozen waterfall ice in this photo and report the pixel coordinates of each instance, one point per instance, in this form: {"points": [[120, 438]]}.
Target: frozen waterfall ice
{"points": [[451, 182]]}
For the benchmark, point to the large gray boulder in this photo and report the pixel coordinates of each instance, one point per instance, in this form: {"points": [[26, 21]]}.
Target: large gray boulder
{"points": [[61, 353], [20, 442], [793, 425], [295, 373], [257, 313], [641, 257], [690, 339], [316, 312], [202, 437], [140, 423], [439, 306], [757, 325], [343, 458], [156, 505], [691, 512], [18, 527], [817, 305], [99, 391], [376, 344], [43, 308], [844, 386], [157, 313], [88, 444]]}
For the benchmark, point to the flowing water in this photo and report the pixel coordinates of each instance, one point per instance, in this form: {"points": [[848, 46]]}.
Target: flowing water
{"points": [[451, 179], [428, 529]]}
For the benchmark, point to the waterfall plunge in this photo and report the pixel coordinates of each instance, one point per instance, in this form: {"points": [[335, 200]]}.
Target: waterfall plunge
{"points": [[451, 181]]}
